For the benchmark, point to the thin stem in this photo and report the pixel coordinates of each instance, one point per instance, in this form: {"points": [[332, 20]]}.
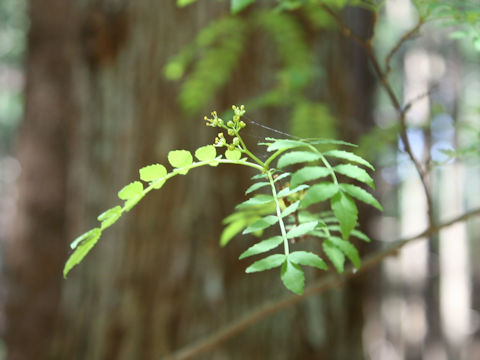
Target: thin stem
{"points": [[327, 282], [279, 213], [326, 163], [250, 154]]}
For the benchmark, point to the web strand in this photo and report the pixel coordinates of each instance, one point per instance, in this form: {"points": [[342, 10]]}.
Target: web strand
{"points": [[270, 129]]}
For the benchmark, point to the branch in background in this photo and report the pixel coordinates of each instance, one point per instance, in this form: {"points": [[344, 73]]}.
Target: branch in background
{"points": [[407, 36], [383, 76], [417, 98], [325, 283]]}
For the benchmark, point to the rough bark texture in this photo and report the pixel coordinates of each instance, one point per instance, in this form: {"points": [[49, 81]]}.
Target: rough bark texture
{"points": [[158, 279]]}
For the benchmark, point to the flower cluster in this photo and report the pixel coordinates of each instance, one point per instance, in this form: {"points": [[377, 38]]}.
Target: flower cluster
{"points": [[232, 126]]}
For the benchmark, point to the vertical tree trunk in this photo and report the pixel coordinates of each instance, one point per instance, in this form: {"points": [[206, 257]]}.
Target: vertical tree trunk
{"points": [[35, 252]]}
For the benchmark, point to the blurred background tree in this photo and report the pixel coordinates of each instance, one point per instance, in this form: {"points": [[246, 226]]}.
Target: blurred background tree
{"points": [[113, 85]]}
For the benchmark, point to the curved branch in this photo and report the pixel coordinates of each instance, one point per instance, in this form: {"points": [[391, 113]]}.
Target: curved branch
{"points": [[325, 283]]}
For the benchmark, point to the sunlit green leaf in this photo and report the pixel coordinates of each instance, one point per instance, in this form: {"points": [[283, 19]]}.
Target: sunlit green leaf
{"points": [[261, 224], [308, 259], [262, 246], [206, 153], [289, 191], [318, 193], [267, 263], [233, 155], [293, 277], [130, 191], [361, 195], [180, 159], [302, 229], [335, 255], [110, 216], [296, 157], [82, 250], [153, 173], [91, 233], [346, 212], [308, 173], [356, 173]]}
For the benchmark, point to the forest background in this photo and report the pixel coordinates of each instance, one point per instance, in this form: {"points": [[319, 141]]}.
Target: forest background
{"points": [[93, 90]]}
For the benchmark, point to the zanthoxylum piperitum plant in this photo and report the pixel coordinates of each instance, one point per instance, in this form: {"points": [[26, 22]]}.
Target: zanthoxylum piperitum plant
{"points": [[298, 191]]}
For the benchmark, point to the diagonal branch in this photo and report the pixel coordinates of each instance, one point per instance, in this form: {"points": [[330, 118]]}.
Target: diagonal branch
{"points": [[325, 283]]}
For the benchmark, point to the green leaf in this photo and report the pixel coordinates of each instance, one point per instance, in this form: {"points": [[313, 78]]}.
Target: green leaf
{"points": [[289, 191], [238, 5], [281, 177], [153, 173], [131, 191], [262, 246], [261, 224], [308, 173], [183, 3], [346, 155], [308, 259], [360, 235], [361, 195], [317, 141], [260, 199], [130, 203], [87, 235], [256, 186], [267, 263], [231, 230], [180, 159], [291, 208], [335, 255], [356, 173], [346, 212], [319, 192], [283, 144], [293, 277], [82, 250], [110, 216], [348, 249], [206, 153], [301, 229], [233, 155], [296, 157]]}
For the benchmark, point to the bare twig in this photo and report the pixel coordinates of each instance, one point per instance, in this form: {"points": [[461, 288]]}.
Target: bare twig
{"points": [[367, 46], [409, 34], [417, 98], [325, 283]]}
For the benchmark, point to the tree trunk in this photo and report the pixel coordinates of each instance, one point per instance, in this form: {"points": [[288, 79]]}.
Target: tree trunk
{"points": [[158, 279]]}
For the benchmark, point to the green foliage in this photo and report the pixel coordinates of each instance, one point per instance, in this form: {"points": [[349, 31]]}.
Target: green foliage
{"points": [[289, 205]]}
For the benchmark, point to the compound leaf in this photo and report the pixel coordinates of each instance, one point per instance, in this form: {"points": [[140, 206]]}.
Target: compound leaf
{"points": [[267, 263], [262, 246], [308, 259], [289, 191], [293, 277], [345, 211], [291, 208]]}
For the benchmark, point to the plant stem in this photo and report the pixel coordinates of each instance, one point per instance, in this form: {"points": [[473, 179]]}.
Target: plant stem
{"points": [[279, 214]]}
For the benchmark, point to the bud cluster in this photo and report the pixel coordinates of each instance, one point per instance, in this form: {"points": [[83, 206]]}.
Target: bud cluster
{"points": [[232, 127]]}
